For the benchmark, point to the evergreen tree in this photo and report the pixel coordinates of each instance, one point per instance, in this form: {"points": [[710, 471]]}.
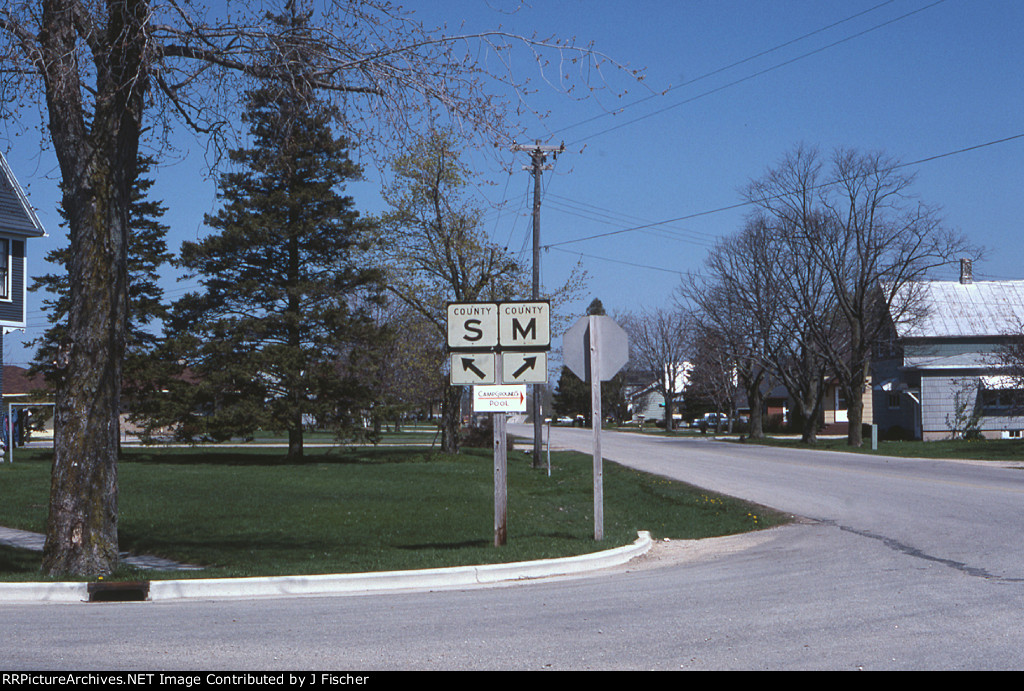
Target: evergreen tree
{"points": [[572, 396], [284, 279], [147, 253]]}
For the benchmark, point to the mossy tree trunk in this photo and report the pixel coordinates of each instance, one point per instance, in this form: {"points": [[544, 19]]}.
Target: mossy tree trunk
{"points": [[97, 158]]}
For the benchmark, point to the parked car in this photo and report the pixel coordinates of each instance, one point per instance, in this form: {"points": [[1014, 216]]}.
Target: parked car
{"points": [[710, 421]]}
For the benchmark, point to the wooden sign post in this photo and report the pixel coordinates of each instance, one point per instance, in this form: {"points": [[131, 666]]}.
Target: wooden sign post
{"points": [[595, 349], [499, 348]]}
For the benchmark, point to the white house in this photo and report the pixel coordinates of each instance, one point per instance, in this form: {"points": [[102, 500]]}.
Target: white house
{"points": [[947, 367]]}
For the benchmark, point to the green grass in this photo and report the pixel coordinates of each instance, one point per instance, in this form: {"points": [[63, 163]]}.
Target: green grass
{"points": [[980, 450], [246, 512]]}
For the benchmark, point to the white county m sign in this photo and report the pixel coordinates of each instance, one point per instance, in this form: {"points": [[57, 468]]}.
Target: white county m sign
{"points": [[524, 324]]}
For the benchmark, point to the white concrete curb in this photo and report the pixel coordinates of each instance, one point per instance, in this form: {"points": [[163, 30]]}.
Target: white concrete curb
{"points": [[44, 592], [344, 584]]}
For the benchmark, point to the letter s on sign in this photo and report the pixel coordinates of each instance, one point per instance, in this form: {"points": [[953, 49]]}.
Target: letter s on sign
{"points": [[475, 333]]}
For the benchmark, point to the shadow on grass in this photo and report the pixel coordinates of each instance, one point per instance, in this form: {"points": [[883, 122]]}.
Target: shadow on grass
{"points": [[256, 456], [446, 545], [13, 560]]}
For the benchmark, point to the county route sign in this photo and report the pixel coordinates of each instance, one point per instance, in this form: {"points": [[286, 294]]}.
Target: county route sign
{"points": [[472, 325], [504, 325], [486, 338], [524, 325]]}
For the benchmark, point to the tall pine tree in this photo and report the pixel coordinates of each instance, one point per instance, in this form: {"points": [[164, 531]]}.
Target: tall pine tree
{"points": [[268, 337], [147, 253]]}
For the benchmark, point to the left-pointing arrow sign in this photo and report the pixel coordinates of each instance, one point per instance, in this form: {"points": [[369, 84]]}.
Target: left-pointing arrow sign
{"points": [[472, 368], [468, 366]]}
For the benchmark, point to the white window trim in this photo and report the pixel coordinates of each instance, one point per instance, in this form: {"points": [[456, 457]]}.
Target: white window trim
{"points": [[7, 286]]}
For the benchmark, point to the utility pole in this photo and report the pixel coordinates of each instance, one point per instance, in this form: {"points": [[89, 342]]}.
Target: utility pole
{"points": [[538, 155]]}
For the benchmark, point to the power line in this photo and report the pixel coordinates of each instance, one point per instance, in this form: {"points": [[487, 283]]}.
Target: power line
{"points": [[610, 217], [729, 67], [761, 72], [676, 272], [739, 205]]}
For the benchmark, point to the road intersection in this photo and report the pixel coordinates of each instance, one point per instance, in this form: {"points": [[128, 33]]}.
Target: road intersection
{"points": [[892, 564]]}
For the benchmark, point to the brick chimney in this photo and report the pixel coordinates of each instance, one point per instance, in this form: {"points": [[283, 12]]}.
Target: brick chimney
{"points": [[966, 272]]}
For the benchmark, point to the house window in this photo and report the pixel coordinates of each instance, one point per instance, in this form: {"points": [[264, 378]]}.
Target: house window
{"points": [[1002, 400], [5, 269], [894, 401]]}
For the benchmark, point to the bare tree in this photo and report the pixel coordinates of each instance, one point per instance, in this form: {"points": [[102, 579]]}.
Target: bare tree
{"points": [[738, 305], [659, 345], [103, 71], [436, 250], [759, 300], [855, 219], [715, 376]]}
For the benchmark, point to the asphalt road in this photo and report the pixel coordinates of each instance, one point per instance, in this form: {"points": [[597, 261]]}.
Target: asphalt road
{"points": [[895, 564]]}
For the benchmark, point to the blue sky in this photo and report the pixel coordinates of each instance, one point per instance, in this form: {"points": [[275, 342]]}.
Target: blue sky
{"points": [[744, 81]]}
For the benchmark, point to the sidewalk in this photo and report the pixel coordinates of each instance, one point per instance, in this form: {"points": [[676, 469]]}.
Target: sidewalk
{"points": [[327, 584], [24, 539]]}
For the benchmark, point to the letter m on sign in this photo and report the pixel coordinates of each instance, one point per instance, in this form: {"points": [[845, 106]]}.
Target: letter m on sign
{"points": [[526, 332]]}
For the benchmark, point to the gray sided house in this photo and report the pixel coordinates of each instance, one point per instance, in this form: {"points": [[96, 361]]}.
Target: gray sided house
{"points": [[18, 222], [946, 374]]}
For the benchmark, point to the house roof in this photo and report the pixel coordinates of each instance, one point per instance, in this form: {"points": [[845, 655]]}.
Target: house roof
{"points": [[17, 217], [952, 309], [17, 381]]}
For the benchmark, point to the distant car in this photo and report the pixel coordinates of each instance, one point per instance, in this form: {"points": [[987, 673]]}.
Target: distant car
{"points": [[710, 420]]}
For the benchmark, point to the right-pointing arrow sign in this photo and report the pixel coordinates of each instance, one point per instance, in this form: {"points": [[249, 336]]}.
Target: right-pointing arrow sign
{"points": [[524, 367], [529, 363]]}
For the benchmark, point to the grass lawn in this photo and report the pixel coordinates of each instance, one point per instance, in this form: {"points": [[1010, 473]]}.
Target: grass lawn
{"points": [[246, 512]]}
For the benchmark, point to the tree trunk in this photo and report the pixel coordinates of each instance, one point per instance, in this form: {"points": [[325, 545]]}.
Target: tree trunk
{"points": [[669, 410], [97, 158], [810, 410], [755, 397], [451, 418], [295, 439], [756, 400], [855, 411], [81, 533]]}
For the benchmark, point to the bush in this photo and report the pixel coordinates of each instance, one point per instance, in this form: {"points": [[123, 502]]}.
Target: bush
{"points": [[896, 433], [481, 436]]}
